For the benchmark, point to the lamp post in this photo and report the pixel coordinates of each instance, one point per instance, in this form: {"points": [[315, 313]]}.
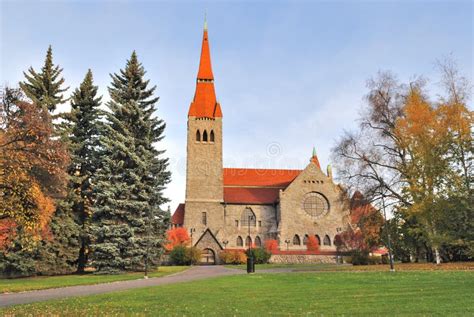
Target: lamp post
{"points": [[225, 242], [389, 245], [287, 241], [250, 261]]}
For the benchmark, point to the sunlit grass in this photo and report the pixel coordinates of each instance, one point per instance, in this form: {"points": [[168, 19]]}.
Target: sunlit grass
{"points": [[442, 293]]}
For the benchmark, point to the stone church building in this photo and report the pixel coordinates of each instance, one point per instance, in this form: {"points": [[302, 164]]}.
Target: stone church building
{"points": [[222, 205]]}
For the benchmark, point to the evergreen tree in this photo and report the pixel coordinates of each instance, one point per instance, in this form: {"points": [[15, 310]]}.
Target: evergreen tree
{"points": [[127, 222], [84, 126], [45, 88]]}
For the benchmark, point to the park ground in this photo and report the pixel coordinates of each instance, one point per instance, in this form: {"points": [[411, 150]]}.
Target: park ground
{"points": [[415, 289], [45, 282]]}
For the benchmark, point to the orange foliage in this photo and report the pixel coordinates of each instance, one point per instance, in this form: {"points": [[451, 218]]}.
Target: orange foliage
{"points": [[233, 256], [32, 170], [312, 244], [271, 245], [177, 236]]}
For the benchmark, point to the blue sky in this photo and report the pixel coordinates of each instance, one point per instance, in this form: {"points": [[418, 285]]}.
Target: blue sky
{"points": [[288, 74]]}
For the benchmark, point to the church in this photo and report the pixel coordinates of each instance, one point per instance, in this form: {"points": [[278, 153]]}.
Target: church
{"points": [[232, 208]]}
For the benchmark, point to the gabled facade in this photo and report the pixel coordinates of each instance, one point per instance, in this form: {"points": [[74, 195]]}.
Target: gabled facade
{"points": [[223, 204]]}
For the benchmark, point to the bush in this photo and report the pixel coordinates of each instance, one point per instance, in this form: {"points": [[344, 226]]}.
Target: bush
{"points": [[375, 260], [181, 255], [347, 259], [360, 257], [271, 245], [260, 255], [233, 257]]}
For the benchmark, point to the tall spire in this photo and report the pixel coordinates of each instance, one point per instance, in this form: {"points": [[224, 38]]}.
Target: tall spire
{"points": [[205, 103], [314, 158], [205, 68]]}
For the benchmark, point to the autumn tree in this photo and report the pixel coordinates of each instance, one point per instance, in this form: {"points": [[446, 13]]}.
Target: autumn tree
{"points": [[177, 236], [413, 153], [45, 88], [31, 174]]}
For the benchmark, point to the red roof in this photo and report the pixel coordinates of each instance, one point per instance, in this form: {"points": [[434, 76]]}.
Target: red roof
{"points": [[205, 104], [241, 177], [360, 207], [178, 216], [248, 195]]}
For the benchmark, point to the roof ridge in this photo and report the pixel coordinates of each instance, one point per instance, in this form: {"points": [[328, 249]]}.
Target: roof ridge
{"points": [[266, 169]]}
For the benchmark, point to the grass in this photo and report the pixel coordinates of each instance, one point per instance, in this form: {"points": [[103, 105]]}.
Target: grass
{"points": [[43, 282], [286, 294], [455, 266]]}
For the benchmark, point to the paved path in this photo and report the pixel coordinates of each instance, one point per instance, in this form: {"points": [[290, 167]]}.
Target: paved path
{"points": [[194, 273]]}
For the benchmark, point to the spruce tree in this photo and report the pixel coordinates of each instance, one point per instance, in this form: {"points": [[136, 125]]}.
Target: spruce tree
{"points": [[127, 221], [83, 145], [45, 88]]}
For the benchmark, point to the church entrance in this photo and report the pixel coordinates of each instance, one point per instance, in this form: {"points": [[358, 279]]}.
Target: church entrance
{"points": [[208, 257]]}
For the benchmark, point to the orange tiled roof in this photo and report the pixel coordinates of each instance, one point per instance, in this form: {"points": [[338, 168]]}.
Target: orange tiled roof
{"points": [[359, 207], [241, 177], [178, 215], [205, 104], [248, 195]]}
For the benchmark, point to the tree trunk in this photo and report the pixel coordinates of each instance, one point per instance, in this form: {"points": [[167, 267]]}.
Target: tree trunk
{"points": [[437, 257], [82, 260]]}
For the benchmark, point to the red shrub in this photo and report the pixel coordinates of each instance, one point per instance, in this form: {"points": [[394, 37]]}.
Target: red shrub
{"points": [[177, 236], [312, 244], [271, 245]]}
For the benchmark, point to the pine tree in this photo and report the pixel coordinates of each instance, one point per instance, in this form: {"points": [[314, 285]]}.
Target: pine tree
{"points": [[127, 221], [84, 126], [45, 88]]}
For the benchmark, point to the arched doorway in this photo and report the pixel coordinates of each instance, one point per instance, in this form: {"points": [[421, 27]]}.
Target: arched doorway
{"points": [[208, 257]]}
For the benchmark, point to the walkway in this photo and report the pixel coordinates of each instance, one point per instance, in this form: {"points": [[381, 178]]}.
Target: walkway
{"points": [[194, 273]]}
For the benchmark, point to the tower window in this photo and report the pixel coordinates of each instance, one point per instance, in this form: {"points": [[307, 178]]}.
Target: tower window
{"points": [[236, 223], [198, 136], [240, 242], [204, 136], [204, 218], [211, 136]]}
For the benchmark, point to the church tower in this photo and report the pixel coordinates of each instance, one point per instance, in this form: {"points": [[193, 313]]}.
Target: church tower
{"points": [[204, 180]]}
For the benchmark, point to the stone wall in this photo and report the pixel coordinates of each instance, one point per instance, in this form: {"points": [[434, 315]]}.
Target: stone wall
{"points": [[295, 221], [302, 258]]}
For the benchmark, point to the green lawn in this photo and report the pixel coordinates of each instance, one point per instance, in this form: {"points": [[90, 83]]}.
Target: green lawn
{"points": [[32, 283], [439, 293]]}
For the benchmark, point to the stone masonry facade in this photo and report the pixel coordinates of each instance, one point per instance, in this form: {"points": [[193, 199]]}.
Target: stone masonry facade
{"points": [[231, 208]]}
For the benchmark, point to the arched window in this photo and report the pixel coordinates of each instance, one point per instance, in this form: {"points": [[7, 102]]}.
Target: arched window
{"points": [[248, 218], [211, 136], [198, 136], [204, 136], [258, 242], [327, 240], [319, 239], [240, 242], [296, 240], [305, 239], [248, 241]]}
